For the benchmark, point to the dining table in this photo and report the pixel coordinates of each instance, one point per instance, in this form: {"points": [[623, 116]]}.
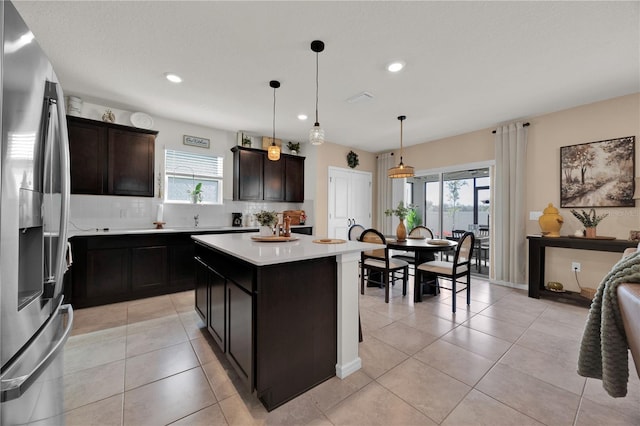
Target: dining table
{"points": [[425, 250]]}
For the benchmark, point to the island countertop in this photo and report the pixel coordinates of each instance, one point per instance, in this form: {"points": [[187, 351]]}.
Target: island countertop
{"points": [[270, 253]]}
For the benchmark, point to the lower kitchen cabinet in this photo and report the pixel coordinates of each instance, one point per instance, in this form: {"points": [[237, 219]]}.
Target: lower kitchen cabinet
{"points": [[277, 324], [116, 268]]}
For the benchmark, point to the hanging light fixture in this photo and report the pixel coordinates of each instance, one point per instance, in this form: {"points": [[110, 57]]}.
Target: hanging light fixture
{"points": [[273, 153], [401, 171], [316, 134]]}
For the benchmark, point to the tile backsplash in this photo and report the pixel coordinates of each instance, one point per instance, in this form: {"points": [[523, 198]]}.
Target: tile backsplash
{"points": [[89, 212]]}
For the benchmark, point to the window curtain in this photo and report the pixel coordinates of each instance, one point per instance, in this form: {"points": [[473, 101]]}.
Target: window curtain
{"points": [[385, 193], [510, 231]]}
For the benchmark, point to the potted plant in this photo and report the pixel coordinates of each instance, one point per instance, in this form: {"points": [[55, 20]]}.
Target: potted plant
{"points": [[589, 220], [196, 193], [267, 220], [401, 212], [413, 219], [294, 147], [246, 141]]}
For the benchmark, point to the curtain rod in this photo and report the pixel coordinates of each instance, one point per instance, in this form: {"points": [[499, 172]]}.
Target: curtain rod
{"points": [[378, 155], [524, 125]]}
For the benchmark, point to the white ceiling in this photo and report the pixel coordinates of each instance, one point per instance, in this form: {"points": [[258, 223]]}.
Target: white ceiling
{"points": [[470, 65]]}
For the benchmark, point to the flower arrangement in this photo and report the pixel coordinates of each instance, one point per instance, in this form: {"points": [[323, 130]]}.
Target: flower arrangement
{"points": [[589, 220], [196, 193], [266, 218], [401, 211]]}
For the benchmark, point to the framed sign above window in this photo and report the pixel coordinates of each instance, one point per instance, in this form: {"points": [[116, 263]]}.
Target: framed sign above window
{"points": [[196, 141], [598, 174]]}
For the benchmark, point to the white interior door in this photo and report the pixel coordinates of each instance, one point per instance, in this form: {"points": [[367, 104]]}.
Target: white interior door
{"points": [[349, 201]]}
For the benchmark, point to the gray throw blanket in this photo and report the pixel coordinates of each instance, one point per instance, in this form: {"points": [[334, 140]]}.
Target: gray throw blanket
{"points": [[604, 347]]}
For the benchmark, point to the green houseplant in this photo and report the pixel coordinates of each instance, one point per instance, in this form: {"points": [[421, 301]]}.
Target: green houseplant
{"points": [[413, 219], [589, 221], [267, 220], [294, 147], [401, 212], [196, 193]]}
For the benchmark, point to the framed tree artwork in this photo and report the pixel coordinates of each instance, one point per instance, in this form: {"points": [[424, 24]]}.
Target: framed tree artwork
{"points": [[598, 174]]}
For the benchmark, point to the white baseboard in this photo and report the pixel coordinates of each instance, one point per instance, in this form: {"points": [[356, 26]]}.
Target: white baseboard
{"points": [[343, 371]]}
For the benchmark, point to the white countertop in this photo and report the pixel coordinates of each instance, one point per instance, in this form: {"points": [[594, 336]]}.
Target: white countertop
{"points": [[241, 245], [193, 230]]}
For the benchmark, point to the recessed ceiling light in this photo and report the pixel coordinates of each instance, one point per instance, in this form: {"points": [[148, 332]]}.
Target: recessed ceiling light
{"points": [[395, 66], [302, 117], [174, 78]]}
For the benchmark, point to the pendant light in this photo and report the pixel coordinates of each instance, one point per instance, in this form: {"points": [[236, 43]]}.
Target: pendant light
{"points": [[273, 153], [401, 171], [316, 134]]}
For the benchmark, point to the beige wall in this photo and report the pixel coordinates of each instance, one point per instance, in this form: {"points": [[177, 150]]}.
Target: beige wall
{"points": [[328, 155], [608, 119]]}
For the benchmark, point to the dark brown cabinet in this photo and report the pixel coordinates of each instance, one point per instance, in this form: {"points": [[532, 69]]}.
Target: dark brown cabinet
{"points": [[110, 159], [256, 178], [277, 324], [115, 268]]}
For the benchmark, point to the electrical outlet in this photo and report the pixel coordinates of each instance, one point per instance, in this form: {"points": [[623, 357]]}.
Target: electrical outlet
{"points": [[575, 266]]}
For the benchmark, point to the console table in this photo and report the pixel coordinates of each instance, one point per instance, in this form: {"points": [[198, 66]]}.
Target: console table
{"points": [[537, 245]]}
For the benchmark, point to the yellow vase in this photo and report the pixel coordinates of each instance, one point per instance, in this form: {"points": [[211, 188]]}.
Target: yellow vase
{"points": [[401, 231], [550, 222]]}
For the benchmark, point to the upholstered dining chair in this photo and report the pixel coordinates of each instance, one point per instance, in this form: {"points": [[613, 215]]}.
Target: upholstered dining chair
{"points": [[379, 261], [408, 256], [459, 268], [355, 231], [482, 245]]}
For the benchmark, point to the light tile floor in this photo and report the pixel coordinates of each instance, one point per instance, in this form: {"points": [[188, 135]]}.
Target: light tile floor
{"points": [[507, 360]]}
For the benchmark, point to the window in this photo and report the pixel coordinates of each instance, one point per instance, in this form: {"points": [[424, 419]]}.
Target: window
{"points": [[184, 170]]}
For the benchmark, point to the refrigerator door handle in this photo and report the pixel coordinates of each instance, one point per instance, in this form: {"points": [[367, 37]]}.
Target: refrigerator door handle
{"points": [[14, 387]]}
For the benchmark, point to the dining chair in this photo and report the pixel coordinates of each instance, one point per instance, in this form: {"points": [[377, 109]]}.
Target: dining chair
{"points": [[408, 256], [482, 245], [459, 268], [379, 262], [355, 231], [456, 234]]}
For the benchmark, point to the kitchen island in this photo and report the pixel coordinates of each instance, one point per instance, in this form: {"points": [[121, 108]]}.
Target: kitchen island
{"points": [[285, 313]]}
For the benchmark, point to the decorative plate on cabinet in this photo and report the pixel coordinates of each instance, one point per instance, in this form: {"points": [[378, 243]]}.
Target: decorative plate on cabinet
{"points": [[141, 120]]}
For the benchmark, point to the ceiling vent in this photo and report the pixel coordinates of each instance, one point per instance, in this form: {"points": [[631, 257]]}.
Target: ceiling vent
{"points": [[360, 97]]}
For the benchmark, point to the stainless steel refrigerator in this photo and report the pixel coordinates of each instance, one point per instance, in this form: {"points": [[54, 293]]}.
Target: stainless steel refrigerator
{"points": [[34, 198]]}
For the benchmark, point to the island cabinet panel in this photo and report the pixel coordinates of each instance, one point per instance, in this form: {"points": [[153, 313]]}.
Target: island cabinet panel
{"points": [[296, 310], [281, 322], [201, 272], [217, 308]]}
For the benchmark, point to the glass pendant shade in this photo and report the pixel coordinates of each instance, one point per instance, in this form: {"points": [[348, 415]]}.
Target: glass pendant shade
{"points": [[401, 171], [273, 153], [316, 135]]}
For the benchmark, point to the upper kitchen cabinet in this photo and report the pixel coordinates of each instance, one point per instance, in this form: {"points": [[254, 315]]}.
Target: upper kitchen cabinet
{"points": [[256, 178], [111, 159]]}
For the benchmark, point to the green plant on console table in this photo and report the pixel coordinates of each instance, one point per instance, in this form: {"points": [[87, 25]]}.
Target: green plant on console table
{"points": [[589, 220]]}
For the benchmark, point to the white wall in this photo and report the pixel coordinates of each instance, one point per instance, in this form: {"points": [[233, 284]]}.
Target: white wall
{"points": [[119, 212]]}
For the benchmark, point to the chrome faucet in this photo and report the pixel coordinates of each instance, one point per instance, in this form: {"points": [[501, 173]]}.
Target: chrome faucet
{"points": [[195, 220]]}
